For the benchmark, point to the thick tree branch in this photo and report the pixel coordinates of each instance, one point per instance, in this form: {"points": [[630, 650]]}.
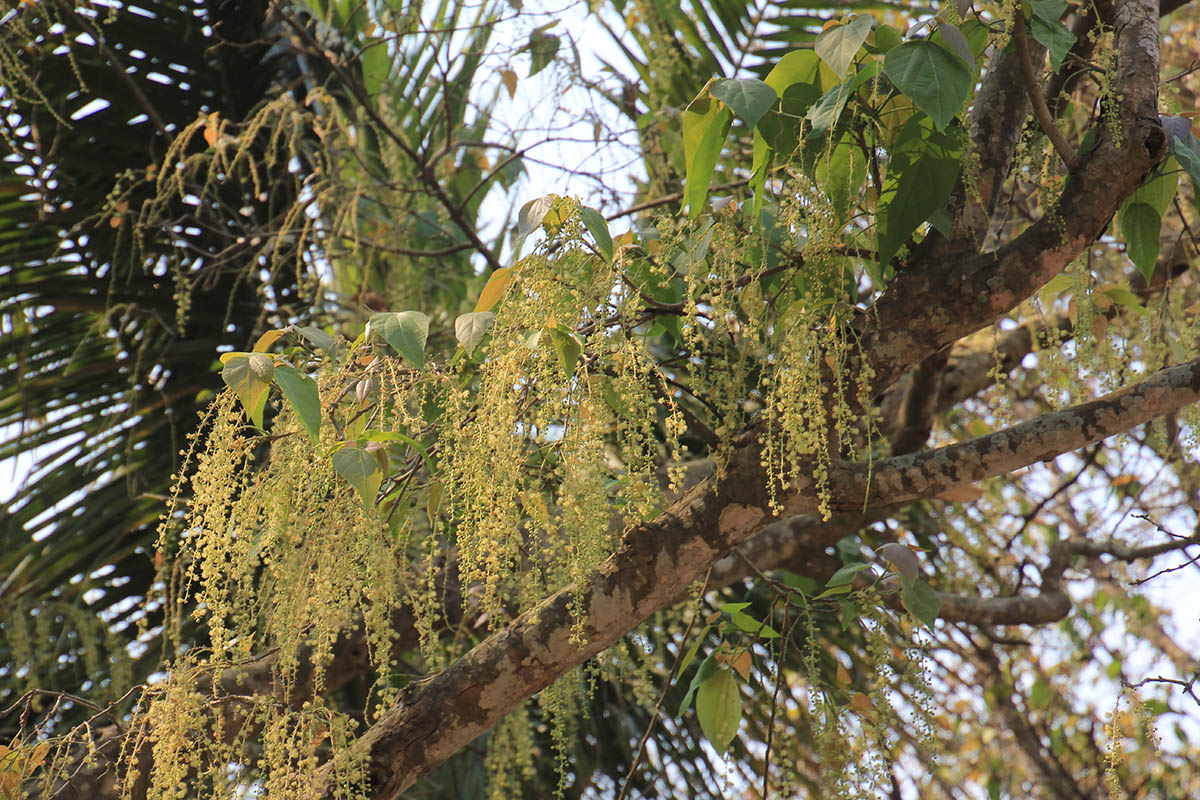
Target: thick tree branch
{"points": [[936, 301], [657, 560]]}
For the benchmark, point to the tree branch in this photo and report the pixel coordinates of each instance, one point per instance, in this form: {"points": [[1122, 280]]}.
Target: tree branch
{"points": [[657, 560], [1034, 90]]}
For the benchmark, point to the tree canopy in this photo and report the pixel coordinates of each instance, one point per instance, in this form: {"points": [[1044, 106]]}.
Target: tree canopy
{"points": [[829, 431]]}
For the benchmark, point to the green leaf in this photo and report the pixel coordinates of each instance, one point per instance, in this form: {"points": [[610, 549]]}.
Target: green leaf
{"points": [[316, 337], [921, 601], [433, 503], [924, 166], [406, 331], [848, 612], [825, 113], [798, 66], [1056, 37], [300, 391], [566, 345], [707, 667], [705, 123], [957, 43], [748, 98], [1159, 191], [719, 708], [1039, 693], [361, 469], [691, 653], [1049, 10], [933, 77], [833, 591], [542, 49], [1186, 148], [376, 65], [243, 372], [887, 37], [1140, 226], [837, 45], [846, 574], [842, 174], [597, 226], [747, 623], [470, 328]]}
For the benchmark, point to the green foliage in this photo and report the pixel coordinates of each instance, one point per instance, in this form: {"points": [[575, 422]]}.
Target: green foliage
{"points": [[719, 708], [406, 331], [425, 478], [925, 163], [838, 45], [936, 80]]}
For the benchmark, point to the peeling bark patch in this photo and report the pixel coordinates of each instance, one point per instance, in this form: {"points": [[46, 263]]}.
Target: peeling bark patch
{"points": [[737, 522]]}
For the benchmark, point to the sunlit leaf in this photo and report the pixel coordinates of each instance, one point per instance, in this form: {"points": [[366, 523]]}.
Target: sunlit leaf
{"points": [[470, 328], [705, 123], [719, 708], [493, 290], [250, 379], [567, 347], [749, 99], [838, 45], [267, 339]]}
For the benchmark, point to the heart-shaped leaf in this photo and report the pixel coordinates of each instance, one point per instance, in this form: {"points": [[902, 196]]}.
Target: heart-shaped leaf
{"points": [[837, 46], [406, 331], [748, 98], [361, 469], [1140, 227], [470, 329], [933, 77], [243, 373]]}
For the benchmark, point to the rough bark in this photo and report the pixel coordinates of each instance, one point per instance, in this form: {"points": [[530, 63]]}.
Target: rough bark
{"points": [[434, 719]]}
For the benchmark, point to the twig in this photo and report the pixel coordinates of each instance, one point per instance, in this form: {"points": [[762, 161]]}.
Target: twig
{"points": [[670, 198], [424, 171], [1061, 146]]}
